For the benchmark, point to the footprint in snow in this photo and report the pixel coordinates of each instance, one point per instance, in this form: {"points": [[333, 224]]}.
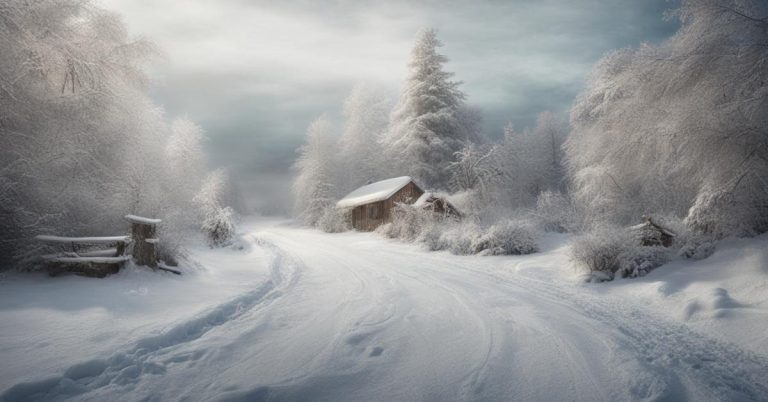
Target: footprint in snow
{"points": [[376, 351]]}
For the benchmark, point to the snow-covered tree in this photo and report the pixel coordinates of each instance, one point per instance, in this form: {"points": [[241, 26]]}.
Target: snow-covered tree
{"points": [[184, 152], [547, 142], [79, 134], [474, 169], [430, 122], [186, 163], [314, 189], [82, 143], [366, 112], [218, 219], [530, 161], [680, 128]]}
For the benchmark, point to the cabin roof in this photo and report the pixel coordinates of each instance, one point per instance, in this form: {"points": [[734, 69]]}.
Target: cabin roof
{"points": [[374, 192], [649, 224]]}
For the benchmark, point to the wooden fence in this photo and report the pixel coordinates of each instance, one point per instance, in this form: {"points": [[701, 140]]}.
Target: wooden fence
{"points": [[105, 255]]}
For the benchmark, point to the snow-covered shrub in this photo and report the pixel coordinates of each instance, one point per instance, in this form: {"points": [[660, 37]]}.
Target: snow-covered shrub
{"points": [[505, 238], [639, 260], [219, 226], [333, 220], [611, 251], [555, 212], [598, 251], [461, 237], [218, 221], [458, 239], [697, 248], [407, 223]]}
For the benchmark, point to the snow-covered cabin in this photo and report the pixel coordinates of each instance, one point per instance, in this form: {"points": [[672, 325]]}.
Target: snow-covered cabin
{"points": [[371, 205], [650, 233], [438, 205]]}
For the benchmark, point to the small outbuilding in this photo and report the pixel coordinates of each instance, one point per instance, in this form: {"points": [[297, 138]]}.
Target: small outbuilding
{"points": [[650, 233], [437, 205], [370, 206]]}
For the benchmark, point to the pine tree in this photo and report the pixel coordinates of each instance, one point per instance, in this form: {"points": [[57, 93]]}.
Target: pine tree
{"points": [[430, 122]]}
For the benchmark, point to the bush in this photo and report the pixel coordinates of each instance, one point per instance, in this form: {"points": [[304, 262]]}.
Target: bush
{"points": [[599, 251], [460, 237], [610, 251], [505, 238], [333, 220], [219, 226], [638, 261], [407, 223]]}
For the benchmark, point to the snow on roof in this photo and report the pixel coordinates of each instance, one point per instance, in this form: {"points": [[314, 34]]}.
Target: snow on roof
{"points": [[141, 219], [379, 191], [648, 224], [423, 199]]}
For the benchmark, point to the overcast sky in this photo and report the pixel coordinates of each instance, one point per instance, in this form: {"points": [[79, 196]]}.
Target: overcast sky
{"points": [[254, 73]]}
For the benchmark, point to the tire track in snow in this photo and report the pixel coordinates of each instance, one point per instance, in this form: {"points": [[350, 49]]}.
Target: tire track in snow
{"points": [[125, 368], [675, 360]]}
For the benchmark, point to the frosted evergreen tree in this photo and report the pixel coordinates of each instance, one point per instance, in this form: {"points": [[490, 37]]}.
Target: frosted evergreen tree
{"points": [[430, 122], [314, 190]]}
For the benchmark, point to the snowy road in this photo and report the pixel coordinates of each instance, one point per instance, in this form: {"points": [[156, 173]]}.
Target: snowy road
{"points": [[355, 317]]}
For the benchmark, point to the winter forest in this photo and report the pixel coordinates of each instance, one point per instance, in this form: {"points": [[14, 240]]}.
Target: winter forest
{"points": [[83, 144], [609, 247], [675, 131]]}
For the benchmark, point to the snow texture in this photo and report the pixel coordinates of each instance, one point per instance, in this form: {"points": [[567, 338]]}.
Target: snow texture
{"points": [[379, 191], [297, 314]]}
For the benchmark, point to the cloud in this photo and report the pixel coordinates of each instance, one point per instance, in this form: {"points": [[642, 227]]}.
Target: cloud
{"points": [[254, 73]]}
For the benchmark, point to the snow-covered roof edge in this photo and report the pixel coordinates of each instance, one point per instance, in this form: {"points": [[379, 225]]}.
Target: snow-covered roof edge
{"points": [[141, 219], [423, 199], [652, 224], [374, 192]]}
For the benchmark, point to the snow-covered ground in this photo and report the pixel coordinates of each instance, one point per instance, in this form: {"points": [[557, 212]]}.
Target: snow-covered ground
{"points": [[297, 314]]}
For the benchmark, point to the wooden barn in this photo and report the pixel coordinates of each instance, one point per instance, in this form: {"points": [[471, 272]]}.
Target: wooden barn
{"points": [[371, 205]]}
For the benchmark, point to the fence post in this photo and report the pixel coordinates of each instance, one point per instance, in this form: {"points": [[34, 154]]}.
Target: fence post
{"points": [[144, 236]]}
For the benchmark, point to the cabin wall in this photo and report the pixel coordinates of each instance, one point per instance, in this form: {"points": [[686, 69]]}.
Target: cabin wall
{"points": [[370, 216]]}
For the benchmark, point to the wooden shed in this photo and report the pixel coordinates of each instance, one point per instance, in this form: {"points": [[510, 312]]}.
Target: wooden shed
{"points": [[370, 206], [437, 205], [650, 233]]}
